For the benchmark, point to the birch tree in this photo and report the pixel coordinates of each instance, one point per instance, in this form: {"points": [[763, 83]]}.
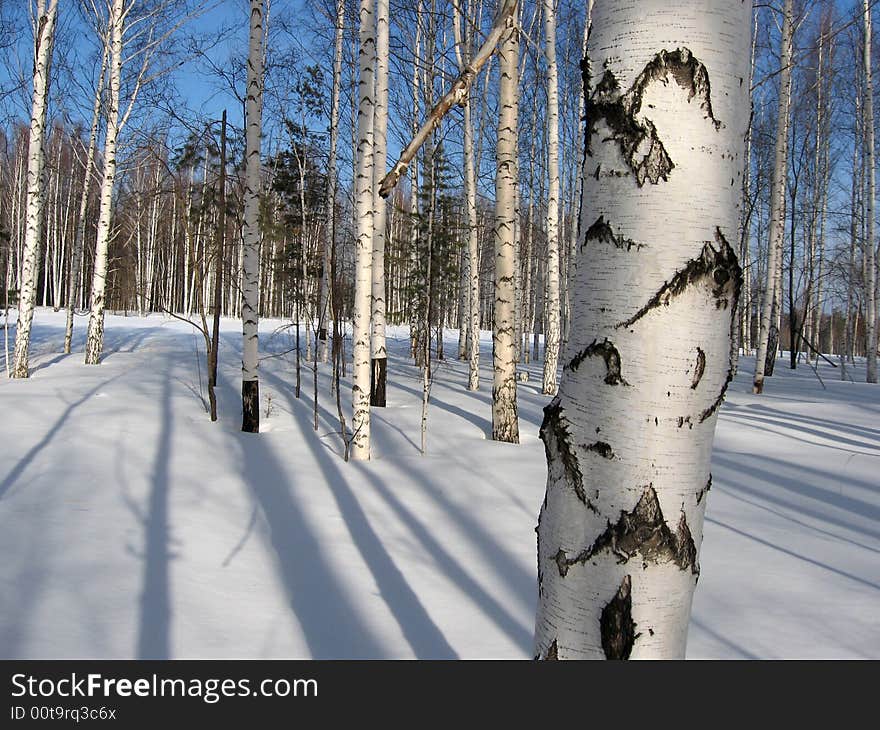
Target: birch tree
{"points": [[250, 275], [44, 39], [332, 179], [364, 182], [777, 201], [378, 354], [463, 34], [551, 341], [870, 254], [629, 435], [505, 421]]}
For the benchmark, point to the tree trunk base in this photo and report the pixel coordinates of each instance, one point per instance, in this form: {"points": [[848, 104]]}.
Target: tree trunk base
{"points": [[378, 380], [250, 406]]}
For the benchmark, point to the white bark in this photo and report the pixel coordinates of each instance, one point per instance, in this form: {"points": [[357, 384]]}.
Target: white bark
{"points": [[777, 200], [576, 229], [552, 336], [472, 266], [332, 182], [95, 336], [870, 255], [629, 435], [378, 353], [505, 421], [364, 183], [250, 270], [44, 38]]}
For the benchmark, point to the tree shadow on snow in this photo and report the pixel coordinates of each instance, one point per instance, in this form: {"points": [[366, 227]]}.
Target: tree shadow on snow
{"points": [[28, 458], [155, 604], [331, 625], [425, 639]]}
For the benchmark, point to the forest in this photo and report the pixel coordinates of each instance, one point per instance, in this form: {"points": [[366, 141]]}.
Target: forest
{"points": [[313, 309]]}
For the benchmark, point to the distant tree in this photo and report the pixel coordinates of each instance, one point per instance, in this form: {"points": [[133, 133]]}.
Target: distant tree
{"points": [[766, 335]]}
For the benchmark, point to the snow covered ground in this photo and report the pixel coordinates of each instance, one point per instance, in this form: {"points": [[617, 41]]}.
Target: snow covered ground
{"points": [[131, 526]]}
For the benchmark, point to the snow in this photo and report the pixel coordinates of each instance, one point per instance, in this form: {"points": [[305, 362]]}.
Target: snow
{"points": [[131, 526]]}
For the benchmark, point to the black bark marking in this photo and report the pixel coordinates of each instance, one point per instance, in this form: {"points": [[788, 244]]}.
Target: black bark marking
{"points": [[637, 139], [719, 267], [601, 232], [378, 381], [642, 531], [561, 562], [552, 654], [556, 437], [736, 284], [702, 493], [602, 448], [609, 353], [699, 369], [250, 406], [538, 533], [618, 630]]}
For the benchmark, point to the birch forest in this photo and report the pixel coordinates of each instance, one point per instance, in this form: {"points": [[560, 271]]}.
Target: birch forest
{"points": [[326, 304]]}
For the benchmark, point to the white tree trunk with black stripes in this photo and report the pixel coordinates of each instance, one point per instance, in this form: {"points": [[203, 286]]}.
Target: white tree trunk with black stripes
{"points": [[552, 336], [471, 282], [772, 289], [505, 421], [250, 271], [44, 39], [870, 254], [324, 307], [378, 353], [95, 336], [79, 241], [360, 389], [629, 435]]}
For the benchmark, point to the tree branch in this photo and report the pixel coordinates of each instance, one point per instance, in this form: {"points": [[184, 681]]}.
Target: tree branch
{"points": [[456, 95]]}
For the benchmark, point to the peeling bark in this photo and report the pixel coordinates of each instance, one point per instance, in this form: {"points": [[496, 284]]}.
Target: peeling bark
{"points": [[642, 149], [643, 531]]}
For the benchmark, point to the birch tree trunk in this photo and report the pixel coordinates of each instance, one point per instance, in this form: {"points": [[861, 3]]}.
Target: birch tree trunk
{"points": [[777, 201], [364, 183], [629, 435], [332, 182], [505, 421], [472, 264], [250, 271], [870, 263], [576, 229], [44, 39], [95, 336], [552, 336], [378, 353]]}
